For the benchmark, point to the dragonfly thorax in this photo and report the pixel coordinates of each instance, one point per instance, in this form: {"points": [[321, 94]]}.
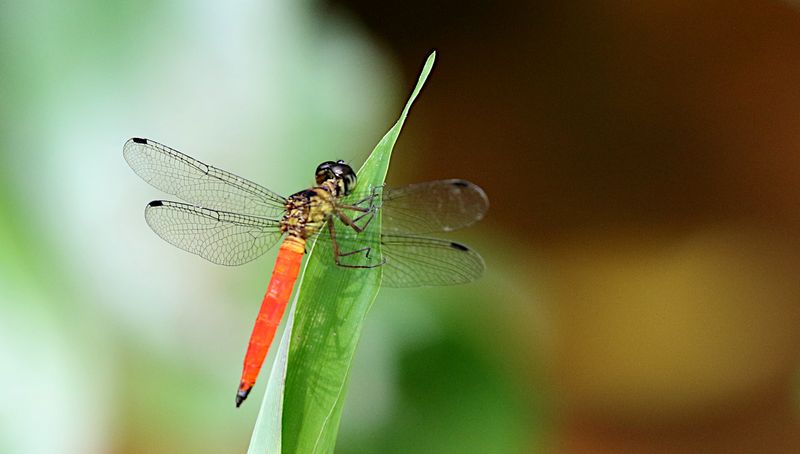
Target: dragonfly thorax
{"points": [[307, 211]]}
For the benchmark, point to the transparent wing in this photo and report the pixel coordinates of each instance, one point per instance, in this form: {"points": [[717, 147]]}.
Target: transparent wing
{"points": [[407, 260], [199, 184], [435, 206], [415, 261], [218, 236]]}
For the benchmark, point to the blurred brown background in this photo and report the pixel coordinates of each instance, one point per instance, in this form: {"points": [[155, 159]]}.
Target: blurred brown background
{"points": [[649, 155]]}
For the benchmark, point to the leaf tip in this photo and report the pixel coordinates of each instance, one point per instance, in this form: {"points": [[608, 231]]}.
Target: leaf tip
{"points": [[429, 62]]}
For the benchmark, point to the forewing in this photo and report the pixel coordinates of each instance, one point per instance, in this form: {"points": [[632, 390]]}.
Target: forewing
{"points": [[411, 261], [218, 236], [435, 206], [197, 183]]}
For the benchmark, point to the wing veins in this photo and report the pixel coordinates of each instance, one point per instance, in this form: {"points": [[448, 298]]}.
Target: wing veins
{"points": [[198, 183], [218, 236]]}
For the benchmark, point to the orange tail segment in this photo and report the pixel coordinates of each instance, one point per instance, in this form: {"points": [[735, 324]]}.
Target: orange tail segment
{"points": [[287, 267]]}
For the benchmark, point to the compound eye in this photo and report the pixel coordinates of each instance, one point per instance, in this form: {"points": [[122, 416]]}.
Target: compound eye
{"points": [[350, 182], [325, 166], [324, 171]]}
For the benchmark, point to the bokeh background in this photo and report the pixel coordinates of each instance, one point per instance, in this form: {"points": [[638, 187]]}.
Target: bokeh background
{"points": [[643, 164]]}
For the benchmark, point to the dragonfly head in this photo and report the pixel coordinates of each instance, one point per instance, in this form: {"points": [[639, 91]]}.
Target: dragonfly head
{"points": [[342, 175]]}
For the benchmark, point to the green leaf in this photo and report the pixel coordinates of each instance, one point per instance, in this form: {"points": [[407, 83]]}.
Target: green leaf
{"points": [[331, 305]]}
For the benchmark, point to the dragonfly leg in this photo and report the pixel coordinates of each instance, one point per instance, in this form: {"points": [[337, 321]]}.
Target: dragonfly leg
{"points": [[352, 222], [338, 254], [370, 213], [354, 208], [370, 198], [365, 211]]}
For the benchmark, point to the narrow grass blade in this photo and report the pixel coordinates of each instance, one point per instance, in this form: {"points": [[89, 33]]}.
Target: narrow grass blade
{"points": [[332, 305]]}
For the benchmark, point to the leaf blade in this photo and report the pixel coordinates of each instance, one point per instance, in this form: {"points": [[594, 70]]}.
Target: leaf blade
{"points": [[328, 322]]}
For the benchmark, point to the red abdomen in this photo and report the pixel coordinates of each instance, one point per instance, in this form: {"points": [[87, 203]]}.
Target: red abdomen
{"points": [[287, 267]]}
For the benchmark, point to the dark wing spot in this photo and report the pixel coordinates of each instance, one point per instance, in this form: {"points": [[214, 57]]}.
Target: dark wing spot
{"points": [[156, 203], [460, 183], [459, 246], [139, 140]]}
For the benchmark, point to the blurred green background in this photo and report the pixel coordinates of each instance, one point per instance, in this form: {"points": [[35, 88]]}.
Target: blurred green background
{"points": [[642, 161]]}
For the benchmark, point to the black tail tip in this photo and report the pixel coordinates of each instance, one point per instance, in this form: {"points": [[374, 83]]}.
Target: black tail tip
{"points": [[241, 395]]}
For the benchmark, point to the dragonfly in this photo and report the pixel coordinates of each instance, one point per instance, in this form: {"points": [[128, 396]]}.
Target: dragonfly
{"points": [[229, 220]]}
